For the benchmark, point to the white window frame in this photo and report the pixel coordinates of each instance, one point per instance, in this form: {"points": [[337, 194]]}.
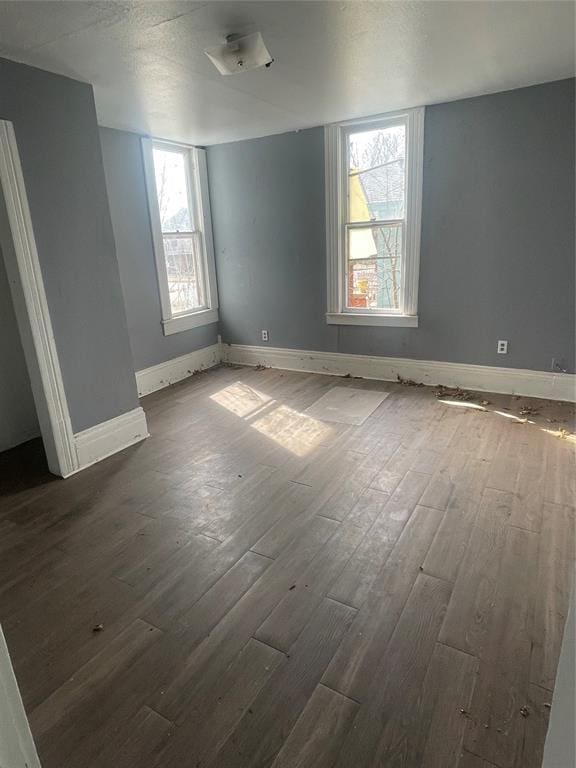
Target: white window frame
{"points": [[336, 216], [197, 175]]}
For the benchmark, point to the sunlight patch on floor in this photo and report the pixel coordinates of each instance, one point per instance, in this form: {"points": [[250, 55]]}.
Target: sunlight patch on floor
{"points": [[241, 399], [298, 433], [462, 404]]}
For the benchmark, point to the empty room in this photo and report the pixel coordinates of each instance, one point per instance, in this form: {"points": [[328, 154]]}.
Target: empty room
{"points": [[287, 384]]}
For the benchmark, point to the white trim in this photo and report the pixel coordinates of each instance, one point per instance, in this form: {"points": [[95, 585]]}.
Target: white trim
{"points": [[148, 157], [336, 215], [17, 749], [414, 179], [109, 437], [162, 375], [193, 320], [333, 168], [199, 204], [484, 378], [205, 216], [357, 318], [33, 314]]}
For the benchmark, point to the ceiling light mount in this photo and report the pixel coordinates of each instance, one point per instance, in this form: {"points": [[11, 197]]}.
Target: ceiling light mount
{"points": [[240, 53]]}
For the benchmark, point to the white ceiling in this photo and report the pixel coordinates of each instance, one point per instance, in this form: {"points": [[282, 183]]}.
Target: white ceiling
{"points": [[334, 60]]}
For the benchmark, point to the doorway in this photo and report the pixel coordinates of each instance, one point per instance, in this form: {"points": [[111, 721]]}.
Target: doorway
{"points": [[30, 311]]}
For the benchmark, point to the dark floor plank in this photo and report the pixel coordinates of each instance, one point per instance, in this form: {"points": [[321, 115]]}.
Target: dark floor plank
{"points": [[194, 581], [443, 708], [319, 731], [352, 669], [63, 722], [260, 733], [449, 546], [554, 581], [287, 620], [216, 652], [382, 730], [367, 560], [502, 690], [140, 743], [472, 600], [468, 760], [211, 721]]}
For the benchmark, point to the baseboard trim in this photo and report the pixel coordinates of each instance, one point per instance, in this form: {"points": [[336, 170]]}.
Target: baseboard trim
{"points": [[109, 437], [159, 376], [513, 381]]}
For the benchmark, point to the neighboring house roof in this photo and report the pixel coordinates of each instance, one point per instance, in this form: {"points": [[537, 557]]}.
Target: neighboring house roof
{"points": [[178, 222], [383, 185]]}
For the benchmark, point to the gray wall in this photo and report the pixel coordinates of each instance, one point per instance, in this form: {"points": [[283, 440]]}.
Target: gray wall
{"points": [[497, 256], [125, 181], [57, 133], [18, 420]]}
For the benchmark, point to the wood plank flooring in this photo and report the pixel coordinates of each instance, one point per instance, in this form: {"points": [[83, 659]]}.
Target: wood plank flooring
{"points": [[254, 588]]}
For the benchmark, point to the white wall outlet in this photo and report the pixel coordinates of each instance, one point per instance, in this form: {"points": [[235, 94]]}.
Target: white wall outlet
{"points": [[502, 347], [264, 335]]}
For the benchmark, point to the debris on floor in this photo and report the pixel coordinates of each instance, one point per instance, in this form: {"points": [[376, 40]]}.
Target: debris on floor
{"points": [[98, 628], [259, 367], [524, 711], [453, 393], [529, 410], [408, 382]]}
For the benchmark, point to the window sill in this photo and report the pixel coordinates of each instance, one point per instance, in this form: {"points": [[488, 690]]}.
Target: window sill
{"points": [[186, 322], [349, 318]]}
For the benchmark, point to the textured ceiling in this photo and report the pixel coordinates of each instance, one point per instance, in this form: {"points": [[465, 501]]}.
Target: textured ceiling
{"points": [[334, 60]]}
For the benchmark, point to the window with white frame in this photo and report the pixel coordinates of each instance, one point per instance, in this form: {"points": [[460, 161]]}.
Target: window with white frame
{"points": [[373, 207], [177, 184]]}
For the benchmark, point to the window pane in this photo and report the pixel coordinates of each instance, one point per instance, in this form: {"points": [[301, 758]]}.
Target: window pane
{"points": [[376, 174], [185, 275], [374, 260], [171, 186]]}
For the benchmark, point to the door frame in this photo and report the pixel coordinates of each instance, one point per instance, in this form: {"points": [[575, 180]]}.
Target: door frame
{"points": [[32, 312]]}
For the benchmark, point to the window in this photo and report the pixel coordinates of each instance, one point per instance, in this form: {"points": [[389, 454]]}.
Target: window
{"points": [[373, 213], [182, 233]]}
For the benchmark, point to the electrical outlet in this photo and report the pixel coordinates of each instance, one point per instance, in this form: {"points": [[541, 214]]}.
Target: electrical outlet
{"points": [[264, 335], [502, 347]]}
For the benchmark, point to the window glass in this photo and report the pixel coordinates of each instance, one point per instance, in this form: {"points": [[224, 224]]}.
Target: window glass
{"points": [[184, 270], [374, 267], [172, 189], [376, 174]]}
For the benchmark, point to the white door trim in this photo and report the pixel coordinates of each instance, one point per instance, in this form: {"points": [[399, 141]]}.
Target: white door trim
{"points": [[16, 744], [25, 277]]}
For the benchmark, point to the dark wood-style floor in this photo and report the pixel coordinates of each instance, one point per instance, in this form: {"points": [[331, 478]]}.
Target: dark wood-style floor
{"points": [[277, 591]]}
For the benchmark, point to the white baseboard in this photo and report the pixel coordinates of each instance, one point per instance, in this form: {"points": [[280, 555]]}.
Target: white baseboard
{"points": [[159, 376], [109, 437], [514, 381]]}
